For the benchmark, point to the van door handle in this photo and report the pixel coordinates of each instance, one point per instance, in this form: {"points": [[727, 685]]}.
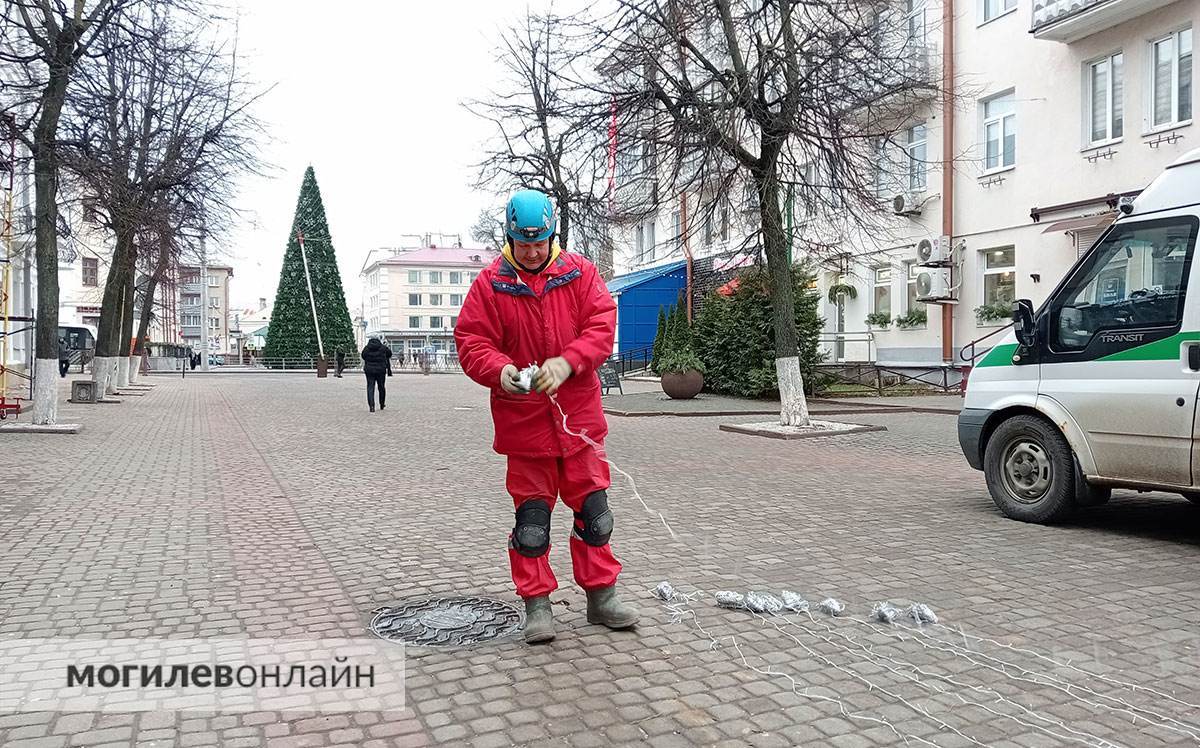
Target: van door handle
{"points": [[1193, 357]]}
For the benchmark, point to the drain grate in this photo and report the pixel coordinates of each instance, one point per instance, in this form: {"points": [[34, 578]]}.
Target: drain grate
{"points": [[447, 621]]}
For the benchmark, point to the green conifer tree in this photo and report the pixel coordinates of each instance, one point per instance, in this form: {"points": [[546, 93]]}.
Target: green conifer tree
{"points": [[292, 333]]}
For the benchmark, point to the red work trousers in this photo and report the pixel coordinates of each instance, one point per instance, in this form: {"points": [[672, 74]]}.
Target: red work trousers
{"points": [[573, 478]]}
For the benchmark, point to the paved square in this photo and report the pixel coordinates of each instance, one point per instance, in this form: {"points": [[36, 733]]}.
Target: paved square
{"points": [[274, 505]]}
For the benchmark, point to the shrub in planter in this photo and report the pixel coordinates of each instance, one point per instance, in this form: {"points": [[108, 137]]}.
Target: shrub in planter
{"points": [[1001, 310], [682, 374], [912, 318], [879, 319], [734, 335], [659, 336]]}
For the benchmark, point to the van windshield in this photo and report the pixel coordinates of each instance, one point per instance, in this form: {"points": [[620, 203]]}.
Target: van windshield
{"points": [[1134, 279]]}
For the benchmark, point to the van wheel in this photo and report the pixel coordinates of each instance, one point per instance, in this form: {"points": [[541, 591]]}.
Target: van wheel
{"points": [[1030, 470]]}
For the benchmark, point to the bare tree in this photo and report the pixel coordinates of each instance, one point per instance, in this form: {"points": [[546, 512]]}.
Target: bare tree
{"points": [[41, 44], [541, 142], [781, 99], [489, 229], [159, 126]]}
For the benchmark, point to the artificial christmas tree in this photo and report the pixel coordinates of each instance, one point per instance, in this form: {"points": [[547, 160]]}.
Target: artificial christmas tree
{"points": [[291, 334]]}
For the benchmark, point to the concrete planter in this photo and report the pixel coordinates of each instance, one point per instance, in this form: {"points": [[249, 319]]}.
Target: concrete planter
{"points": [[682, 385]]}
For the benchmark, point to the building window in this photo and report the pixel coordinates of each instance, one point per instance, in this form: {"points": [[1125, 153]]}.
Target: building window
{"points": [[435, 323], [677, 228], [189, 299], [414, 323], [453, 322], [644, 241], [882, 167], [914, 147], [996, 8], [214, 302], [456, 299], [1104, 107], [91, 271], [214, 323], [435, 299], [911, 303], [214, 281], [373, 280], [190, 320], [435, 276], [414, 276], [1000, 132], [724, 221], [1171, 80], [916, 22], [455, 278], [414, 299], [881, 298], [999, 276], [708, 224]]}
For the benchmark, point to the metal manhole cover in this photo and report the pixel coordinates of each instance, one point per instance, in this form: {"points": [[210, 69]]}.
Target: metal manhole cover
{"points": [[447, 621]]}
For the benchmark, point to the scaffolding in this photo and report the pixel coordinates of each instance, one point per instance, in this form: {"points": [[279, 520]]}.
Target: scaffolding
{"points": [[10, 324]]}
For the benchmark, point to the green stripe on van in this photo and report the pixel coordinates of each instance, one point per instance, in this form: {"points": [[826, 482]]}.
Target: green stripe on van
{"points": [[1166, 349], [1000, 355]]}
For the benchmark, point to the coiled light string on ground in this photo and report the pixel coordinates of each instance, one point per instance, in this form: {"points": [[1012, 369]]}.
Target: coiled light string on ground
{"points": [[1059, 684], [766, 603], [875, 656], [680, 609], [1065, 664]]}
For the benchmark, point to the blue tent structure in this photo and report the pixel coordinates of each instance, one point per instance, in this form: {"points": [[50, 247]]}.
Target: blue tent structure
{"points": [[639, 296]]}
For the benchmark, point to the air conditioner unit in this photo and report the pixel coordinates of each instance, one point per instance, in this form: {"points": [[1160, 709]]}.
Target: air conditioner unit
{"points": [[905, 205], [934, 252], [933, 284]]}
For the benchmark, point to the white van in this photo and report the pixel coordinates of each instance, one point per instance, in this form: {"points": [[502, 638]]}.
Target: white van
{"points": [[1098, 388]]}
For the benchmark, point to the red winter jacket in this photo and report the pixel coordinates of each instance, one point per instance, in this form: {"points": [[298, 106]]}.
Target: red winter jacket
{"points": [[521, 319]]}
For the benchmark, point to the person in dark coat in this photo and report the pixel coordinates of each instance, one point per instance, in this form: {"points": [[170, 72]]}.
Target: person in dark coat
{"points": [[376, 367], [341, 362], [64, 357]]}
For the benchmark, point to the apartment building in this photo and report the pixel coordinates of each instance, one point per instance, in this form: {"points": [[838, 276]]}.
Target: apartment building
{"points": [[196, 320], [411, 297]]}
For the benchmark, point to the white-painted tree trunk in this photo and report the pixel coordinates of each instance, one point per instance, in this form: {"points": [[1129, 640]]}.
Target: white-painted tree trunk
{"points": [[103, 371], [793, 406], [134, 362], [122, 372], [45, 391]]}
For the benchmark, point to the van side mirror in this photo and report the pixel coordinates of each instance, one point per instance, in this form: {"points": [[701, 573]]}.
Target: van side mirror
{"points": [[1022, 311]]}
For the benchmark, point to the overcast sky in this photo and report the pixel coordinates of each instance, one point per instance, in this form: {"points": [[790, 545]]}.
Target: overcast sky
{"points": [[369, 93]]}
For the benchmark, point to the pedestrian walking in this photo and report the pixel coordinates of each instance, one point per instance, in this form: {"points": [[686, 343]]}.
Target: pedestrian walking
{"points": [[376, 367], [539, 304], [341, 363], [64, 358]]}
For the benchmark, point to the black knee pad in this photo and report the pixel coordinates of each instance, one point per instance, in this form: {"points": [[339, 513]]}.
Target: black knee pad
{"points": [[594, 524], [531, 535]]}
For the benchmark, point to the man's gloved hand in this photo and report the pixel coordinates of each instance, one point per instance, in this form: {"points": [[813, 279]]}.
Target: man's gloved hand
{"points": [[509, 376], [551, 375]]}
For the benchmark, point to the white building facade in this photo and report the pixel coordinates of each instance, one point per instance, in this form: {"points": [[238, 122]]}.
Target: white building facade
{"points": [[1062, 108], [412, 297]]}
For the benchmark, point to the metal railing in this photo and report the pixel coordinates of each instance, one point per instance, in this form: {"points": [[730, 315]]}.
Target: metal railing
{"points": [[833, 339], [969, 353], [634, 359]]}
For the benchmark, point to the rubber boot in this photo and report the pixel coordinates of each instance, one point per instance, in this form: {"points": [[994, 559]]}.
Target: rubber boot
{"points": [[604, 608], [539, 620]]}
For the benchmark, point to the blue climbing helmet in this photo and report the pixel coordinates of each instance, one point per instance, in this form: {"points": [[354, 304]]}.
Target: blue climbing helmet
{"points": [[529, 217]]}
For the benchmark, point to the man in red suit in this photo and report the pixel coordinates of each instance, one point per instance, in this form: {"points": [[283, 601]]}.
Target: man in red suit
{"points": [[537, 304]]}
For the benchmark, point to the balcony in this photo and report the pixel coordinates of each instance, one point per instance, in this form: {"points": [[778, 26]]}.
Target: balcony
{"points": [[1071, 20]]}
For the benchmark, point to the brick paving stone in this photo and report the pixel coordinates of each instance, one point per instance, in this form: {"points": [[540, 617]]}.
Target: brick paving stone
{"points": [[226, 513]]}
